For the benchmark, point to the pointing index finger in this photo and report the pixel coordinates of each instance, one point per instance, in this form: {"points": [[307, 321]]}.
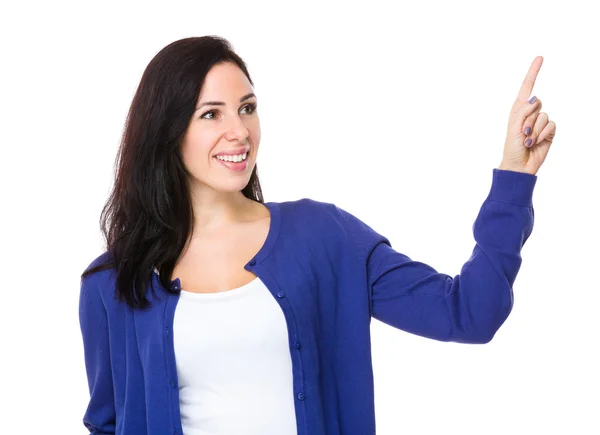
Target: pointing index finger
{"points": [[527, 86]]}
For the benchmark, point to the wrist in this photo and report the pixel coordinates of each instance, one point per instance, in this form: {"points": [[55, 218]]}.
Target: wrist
{"points": [[505, 167]]}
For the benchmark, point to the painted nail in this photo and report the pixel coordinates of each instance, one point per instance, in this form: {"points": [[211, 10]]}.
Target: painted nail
{"points": [[532, 100], [528, 142], [527, 131]]}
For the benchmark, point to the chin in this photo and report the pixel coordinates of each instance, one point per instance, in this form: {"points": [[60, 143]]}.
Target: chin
{"points": [[224, 182], [232, 186]]}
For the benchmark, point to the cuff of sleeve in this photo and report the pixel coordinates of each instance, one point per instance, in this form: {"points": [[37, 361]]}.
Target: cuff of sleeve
{"points": [[513, 187]]}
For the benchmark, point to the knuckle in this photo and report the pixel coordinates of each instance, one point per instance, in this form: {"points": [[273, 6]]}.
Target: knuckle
{"points": [[536, 106]]}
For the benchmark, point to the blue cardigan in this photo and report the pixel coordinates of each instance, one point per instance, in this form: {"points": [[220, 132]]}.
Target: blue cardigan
{"points": [[330, 273]]}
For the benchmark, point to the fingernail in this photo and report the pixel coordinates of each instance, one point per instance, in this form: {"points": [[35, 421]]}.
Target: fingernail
{"points": [[527, 131], [532, 100], [528, 142]]}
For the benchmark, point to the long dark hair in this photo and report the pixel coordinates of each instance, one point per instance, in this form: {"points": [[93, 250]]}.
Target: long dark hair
{"points": [[148, 216]]}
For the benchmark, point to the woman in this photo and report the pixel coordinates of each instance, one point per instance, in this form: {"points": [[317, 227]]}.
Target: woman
{"points": [[214, 312]]}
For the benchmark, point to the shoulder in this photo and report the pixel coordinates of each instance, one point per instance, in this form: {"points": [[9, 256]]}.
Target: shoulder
{"points": [[99, 264], [310, 211], [326, 224], [327, 217], [104, 258], [304, 205], [98, 276]]}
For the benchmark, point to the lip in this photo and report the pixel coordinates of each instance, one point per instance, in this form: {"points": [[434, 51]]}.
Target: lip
{"points": [[233, 152], [235, 166]]}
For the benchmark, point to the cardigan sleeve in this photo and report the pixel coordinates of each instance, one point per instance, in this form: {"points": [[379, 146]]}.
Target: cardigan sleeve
{"points": [[100, 417], [469, 307]]}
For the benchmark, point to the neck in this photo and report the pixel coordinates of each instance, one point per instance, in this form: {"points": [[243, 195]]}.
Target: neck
{"points": [[218, 210]]}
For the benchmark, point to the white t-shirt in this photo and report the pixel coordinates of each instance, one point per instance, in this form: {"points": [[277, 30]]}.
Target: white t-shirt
{"points": [[233, 363]]}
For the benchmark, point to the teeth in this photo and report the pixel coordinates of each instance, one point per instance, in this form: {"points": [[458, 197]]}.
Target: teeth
{"points": [[238, 158]]}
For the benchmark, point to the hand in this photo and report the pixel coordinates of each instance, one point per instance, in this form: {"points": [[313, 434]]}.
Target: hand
{"points": [[530, 133]]}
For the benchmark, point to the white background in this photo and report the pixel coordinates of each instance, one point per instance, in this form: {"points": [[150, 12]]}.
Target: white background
{"points": [[394, 111]]}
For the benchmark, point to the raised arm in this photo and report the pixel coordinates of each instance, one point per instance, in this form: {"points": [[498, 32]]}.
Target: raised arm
{"points": [[469, 308]]}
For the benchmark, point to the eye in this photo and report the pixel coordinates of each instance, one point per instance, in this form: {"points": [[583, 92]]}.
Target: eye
{"points": [[207, 113], [251, 106]]}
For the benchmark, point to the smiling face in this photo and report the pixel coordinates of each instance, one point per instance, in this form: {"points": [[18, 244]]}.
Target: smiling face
{"points": [[225, 121]]}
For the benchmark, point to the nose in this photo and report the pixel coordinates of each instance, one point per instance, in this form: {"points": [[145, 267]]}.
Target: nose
{"points": [[236, 129]]}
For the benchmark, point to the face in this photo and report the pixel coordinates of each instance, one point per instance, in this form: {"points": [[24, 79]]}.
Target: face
{"points": [[225, 121]]}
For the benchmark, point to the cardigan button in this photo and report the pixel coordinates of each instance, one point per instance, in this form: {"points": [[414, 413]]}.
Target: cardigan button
{"points": [[173, 383], [280, 294], [297, 345], [301, 396], [252, 262]]}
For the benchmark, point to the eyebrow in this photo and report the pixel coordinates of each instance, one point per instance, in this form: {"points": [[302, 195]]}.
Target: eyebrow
{"points": [[220, 103]]}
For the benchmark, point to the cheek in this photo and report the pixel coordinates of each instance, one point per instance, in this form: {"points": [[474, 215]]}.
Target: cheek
{"points": [[255, 133], [196, 151]]}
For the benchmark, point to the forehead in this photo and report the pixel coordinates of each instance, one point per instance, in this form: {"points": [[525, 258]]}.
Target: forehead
{"points": [[225, 79]]}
